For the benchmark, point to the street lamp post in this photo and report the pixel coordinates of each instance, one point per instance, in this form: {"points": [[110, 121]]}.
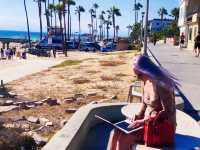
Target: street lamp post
{"points": [[146, 27], [142, 24]]}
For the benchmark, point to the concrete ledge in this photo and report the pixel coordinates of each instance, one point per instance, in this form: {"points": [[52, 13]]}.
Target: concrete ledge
{"points": [[74, 132], [179, 103], [72, 135]]}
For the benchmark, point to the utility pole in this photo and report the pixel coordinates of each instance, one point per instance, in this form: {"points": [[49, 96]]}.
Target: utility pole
{"points": [[142, 28], [135, 12], [146, 28]]}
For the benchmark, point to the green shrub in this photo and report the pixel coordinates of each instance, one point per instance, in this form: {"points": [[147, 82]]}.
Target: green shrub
{"points": [[68, 63]]}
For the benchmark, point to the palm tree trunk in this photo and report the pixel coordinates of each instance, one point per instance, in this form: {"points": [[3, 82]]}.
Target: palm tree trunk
{"points": [[40, 18], [27, 22], [68, 25], [62, 36], [114, 28], [55, 21], [135, 12], [64, 19], [79, 26], [47, 15], [51, 18], [104, 31], [92, 26], [107, 31]]}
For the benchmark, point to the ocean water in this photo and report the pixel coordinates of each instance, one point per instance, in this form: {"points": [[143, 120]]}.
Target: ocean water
{"points": [[19, 34]]}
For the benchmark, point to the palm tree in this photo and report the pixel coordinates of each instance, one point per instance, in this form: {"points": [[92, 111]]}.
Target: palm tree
{"points": [[27, 23], [108, 23], [137, 8], [95, 6], [175, 14], [40, 15], [79, 10], [117, 31], [64, 20], [161, 12], [51, 8], [92, 15], [114, 11], [102, 23], [69, 3], [55, 18], [59, 9], [47, 13], [101, 17]]}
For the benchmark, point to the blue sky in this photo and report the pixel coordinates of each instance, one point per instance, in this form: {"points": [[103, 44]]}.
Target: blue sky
{"points": [[12, 16]]}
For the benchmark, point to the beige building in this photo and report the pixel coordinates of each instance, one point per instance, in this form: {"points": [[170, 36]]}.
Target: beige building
{"points": [[189, 20]]}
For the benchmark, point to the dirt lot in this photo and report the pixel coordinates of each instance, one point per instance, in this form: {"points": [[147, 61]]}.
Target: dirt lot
{"points": [[108, 75]]}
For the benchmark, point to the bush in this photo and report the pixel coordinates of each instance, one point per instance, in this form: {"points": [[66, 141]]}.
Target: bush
{"points": [[11, 139]]}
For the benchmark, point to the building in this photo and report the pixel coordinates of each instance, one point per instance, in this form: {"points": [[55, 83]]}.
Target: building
{"points": [[189, 22], [157, 25]]}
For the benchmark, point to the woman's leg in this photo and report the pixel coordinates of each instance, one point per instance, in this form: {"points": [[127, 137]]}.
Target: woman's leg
{"points": [[125, 141], [121, 141], [112, 143]]}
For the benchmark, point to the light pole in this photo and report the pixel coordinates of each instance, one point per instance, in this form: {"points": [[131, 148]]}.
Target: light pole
{"points": [[142, 23], [146, 27], [135, 11]]}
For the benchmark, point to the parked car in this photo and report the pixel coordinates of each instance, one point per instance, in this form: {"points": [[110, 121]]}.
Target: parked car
{"points": [[39, 52], [89, 46], [72, 44], [110, 46], [56, 43]]}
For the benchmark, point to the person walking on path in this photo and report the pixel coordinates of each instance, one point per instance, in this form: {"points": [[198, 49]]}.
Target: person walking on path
{"points": [[197, 45], [2, 53], [182, 40], [154, 39]]}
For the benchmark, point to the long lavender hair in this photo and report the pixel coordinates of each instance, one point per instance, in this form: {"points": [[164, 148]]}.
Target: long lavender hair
{"points": [[161, 76]]}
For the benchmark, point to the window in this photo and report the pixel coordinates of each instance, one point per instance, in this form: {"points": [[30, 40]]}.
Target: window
{"points": [[190, 34], [157, 24]]}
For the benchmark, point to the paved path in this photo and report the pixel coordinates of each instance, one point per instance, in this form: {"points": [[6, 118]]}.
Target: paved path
{"points": [[186, 67], [15, 69]]}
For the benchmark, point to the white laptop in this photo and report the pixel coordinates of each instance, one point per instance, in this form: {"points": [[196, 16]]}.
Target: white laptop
{"points": [[122, 125]]}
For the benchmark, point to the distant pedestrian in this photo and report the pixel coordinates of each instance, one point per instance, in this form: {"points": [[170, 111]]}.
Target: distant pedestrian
{"points": [[24, 55], [11, 53], [2, 53], [154, 39], [197, 45], [182, 40], [7, 52], [54, 53], [14, 51]]}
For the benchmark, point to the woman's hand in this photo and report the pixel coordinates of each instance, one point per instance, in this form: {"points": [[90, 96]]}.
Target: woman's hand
{"points": [[136, 123], [135, 117]]}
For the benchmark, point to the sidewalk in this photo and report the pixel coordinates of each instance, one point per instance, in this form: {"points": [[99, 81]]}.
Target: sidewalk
{"points": [[15, 69], [186, 67]]}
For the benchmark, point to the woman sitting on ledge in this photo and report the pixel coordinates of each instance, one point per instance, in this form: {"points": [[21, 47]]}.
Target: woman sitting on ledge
{"points": [[158, 100]]}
